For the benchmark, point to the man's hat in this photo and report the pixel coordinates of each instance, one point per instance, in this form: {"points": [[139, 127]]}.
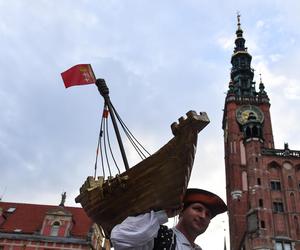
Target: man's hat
{"points": [[212, 201]]}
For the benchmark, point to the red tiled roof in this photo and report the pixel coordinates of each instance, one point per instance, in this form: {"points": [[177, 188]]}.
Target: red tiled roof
{"points": [[29, 218]]}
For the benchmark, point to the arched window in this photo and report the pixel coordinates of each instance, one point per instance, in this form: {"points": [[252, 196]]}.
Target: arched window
{"points": [[234, 147], [258, 181], [297, 226], [290, 181], [244, 181], [243, 153], [293, 201], [255, 132], [248, 132], [55, 228], [261, 203]]}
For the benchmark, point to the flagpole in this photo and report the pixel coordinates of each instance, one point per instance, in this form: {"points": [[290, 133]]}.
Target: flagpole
{"points": [[104, 91]]}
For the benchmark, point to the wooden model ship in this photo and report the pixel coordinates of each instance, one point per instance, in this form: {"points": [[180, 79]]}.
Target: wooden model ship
{"points": [[158, 182]]}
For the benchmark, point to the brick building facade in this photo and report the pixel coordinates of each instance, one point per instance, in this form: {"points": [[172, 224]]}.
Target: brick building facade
{"points": [[262, 183], [32, 226]]}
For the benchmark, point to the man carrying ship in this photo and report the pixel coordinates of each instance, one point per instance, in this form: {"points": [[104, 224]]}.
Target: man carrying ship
{"points": [[146, 232]]}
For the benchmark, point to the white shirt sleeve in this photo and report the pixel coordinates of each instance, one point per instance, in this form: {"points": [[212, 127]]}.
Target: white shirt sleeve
{"points": [[138, 232]]}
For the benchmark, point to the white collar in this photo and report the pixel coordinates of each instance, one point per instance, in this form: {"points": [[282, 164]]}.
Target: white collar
{"points": [[181, 239]]}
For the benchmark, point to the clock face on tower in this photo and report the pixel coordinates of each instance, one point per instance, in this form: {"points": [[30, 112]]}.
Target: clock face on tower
{"points": [[247, 113]]}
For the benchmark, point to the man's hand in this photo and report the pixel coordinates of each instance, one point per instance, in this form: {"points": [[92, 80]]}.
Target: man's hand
{"points": [[171, 212]]}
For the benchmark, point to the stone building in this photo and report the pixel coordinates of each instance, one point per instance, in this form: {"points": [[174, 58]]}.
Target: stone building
{"points": [[31, 226]]}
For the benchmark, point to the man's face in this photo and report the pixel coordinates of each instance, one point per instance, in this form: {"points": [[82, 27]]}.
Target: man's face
{"points": [[196, 217]]}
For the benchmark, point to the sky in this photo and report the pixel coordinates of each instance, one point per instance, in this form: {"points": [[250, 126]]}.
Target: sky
{"points": [[160, 59]]}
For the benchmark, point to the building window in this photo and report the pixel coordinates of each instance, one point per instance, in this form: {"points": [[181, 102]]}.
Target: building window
{"points": [[297, 226], [278, 207], [262, 224], [261, 203], [282, 245], [244, 181], [243, 153], [293, 202], [290, 181], [55, 228], [234, 147], [275, 185], [11, 210], [258, 181]]}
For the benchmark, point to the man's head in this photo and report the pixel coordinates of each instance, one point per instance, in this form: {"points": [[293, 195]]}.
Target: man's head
{"points": [[212, 201], [200, 206]]}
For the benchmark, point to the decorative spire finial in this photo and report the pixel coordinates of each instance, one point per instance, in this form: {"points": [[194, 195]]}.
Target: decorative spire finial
{"points": [[239, 20], [63, 199], [260, 78], [261, 86]]}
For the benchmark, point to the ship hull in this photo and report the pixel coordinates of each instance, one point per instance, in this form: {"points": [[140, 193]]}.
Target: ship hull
{"points": [[158, 182]]}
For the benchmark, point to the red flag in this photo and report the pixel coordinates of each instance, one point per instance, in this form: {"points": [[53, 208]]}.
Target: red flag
{"points": [[80, 74]]}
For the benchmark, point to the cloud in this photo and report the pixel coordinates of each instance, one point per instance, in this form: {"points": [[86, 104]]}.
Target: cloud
{"points": [[260, 24], [226, 42]]}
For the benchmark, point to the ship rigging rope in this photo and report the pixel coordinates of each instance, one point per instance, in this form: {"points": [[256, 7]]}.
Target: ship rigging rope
{"points": [[109, 145], [99, 146], [104, 142], [137, 145]]}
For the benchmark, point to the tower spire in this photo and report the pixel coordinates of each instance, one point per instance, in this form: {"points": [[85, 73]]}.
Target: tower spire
{"points": [[241, 72], [262, 91], [241, 76], [239, 41]]}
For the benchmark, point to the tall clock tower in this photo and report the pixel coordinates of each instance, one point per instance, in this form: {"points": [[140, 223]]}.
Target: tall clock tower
{"points": [[262, 183]]}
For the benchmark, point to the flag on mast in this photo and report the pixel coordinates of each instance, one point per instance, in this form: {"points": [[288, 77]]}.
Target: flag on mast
{"points": [[80, 74]]}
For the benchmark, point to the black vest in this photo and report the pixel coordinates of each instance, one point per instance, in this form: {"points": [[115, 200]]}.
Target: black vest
{"points": [[165, 240]]}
